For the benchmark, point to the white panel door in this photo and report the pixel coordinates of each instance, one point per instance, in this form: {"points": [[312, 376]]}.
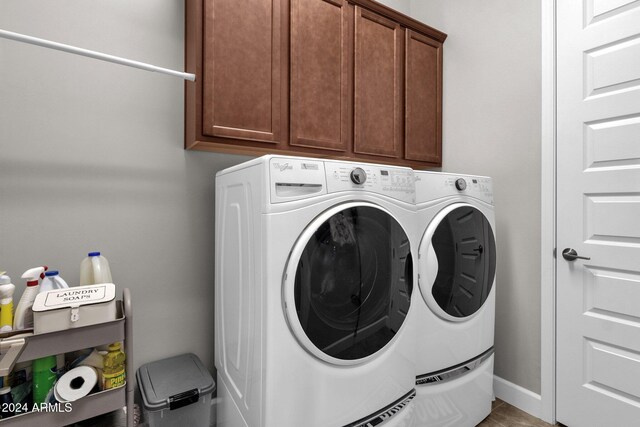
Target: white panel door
{"points": [[598, 202]]}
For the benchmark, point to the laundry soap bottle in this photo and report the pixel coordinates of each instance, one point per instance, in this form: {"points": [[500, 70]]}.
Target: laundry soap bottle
{"points": [[52, 280], [23, 318], [94, 269], [6, 303]]}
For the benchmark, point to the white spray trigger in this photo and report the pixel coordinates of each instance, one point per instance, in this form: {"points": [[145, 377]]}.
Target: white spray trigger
{"points": [[33, 273]]}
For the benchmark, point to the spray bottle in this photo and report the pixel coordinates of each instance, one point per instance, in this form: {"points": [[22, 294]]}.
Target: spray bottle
{"points": [[24, 315], [6, 303]]}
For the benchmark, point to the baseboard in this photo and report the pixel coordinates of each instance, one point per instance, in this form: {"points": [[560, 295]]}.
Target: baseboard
{"points": [[517, 396]]}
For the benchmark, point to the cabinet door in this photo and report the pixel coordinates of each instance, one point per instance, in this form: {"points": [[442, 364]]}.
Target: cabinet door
{"points": [[378, 83], [423, 98], [245, 69], [321, 73]]}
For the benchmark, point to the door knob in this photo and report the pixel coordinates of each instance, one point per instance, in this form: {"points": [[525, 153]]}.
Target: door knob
{"points": [[571, 255]]}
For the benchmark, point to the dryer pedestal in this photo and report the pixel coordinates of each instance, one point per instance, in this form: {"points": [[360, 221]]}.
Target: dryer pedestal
{"points": [[461, 402]]}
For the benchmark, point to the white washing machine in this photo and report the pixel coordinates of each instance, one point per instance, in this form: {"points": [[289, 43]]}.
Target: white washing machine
{"points": [[456, 314], [313, 284]]}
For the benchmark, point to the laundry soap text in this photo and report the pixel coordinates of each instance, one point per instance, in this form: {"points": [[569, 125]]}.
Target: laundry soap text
{"points": [[69, 296]]}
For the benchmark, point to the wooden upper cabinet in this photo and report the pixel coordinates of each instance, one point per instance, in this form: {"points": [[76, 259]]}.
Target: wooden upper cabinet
{"points": [[423, 98], [244, 64], [378, 85], [321, 67], [345, 79]]}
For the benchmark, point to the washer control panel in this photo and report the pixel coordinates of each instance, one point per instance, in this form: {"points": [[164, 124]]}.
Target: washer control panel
{"points": [[300, 178], [358, 176], [392, 181]]}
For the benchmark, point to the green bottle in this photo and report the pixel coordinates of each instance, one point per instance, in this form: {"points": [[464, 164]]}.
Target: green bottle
{"points": [[44, 376]]}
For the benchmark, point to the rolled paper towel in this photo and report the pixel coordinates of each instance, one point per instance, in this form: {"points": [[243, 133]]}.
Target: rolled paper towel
{"points": [[94, 359], [75, 384], [89, 358]]}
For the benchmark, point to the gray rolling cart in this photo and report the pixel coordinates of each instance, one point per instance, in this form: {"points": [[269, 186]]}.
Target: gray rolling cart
{"points": [[21, 346]]}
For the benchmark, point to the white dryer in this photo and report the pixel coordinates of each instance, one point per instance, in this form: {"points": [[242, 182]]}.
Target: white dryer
{"points": [[456, 316], [313, 285]]}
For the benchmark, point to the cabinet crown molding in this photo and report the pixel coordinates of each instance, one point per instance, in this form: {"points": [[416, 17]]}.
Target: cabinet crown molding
{"points": [[401, 18]]}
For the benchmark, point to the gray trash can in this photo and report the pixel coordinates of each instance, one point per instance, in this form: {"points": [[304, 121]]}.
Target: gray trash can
{"points": [[176, 392]]}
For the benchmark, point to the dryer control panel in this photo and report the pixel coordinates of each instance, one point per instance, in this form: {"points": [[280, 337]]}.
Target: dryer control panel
{"points": [[435, 185]]}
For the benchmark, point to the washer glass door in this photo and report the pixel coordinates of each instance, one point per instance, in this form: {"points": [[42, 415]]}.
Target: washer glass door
{"points": [[351, 289], [458, 269]]}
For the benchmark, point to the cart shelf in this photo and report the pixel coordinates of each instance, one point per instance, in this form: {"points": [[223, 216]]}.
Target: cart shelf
{"points": [[19, 346]]}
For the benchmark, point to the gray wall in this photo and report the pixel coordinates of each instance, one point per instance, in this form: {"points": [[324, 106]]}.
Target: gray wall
{"points": [[403, 6], [492, 127], [91, 158]]}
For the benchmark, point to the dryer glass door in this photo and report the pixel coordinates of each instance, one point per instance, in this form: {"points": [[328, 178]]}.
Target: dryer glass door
{"points": [[462, 245], [353, 283]]}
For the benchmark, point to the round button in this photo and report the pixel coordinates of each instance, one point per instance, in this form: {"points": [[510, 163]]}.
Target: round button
{"points": [[358, 176], [461, 184]]}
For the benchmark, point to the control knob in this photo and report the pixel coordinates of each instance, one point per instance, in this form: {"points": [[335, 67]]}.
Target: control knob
{"points": [[358, 176], [461, 184]]}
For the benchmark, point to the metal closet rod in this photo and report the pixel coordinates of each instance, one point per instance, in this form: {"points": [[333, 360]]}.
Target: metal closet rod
{"points": [[93, 54]]}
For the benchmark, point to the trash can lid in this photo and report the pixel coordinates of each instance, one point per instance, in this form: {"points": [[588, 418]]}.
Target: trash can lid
{"points": [[162, 381]]}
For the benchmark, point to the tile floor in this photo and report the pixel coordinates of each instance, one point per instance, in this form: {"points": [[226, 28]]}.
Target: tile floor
{"points": [[505, 415]]}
